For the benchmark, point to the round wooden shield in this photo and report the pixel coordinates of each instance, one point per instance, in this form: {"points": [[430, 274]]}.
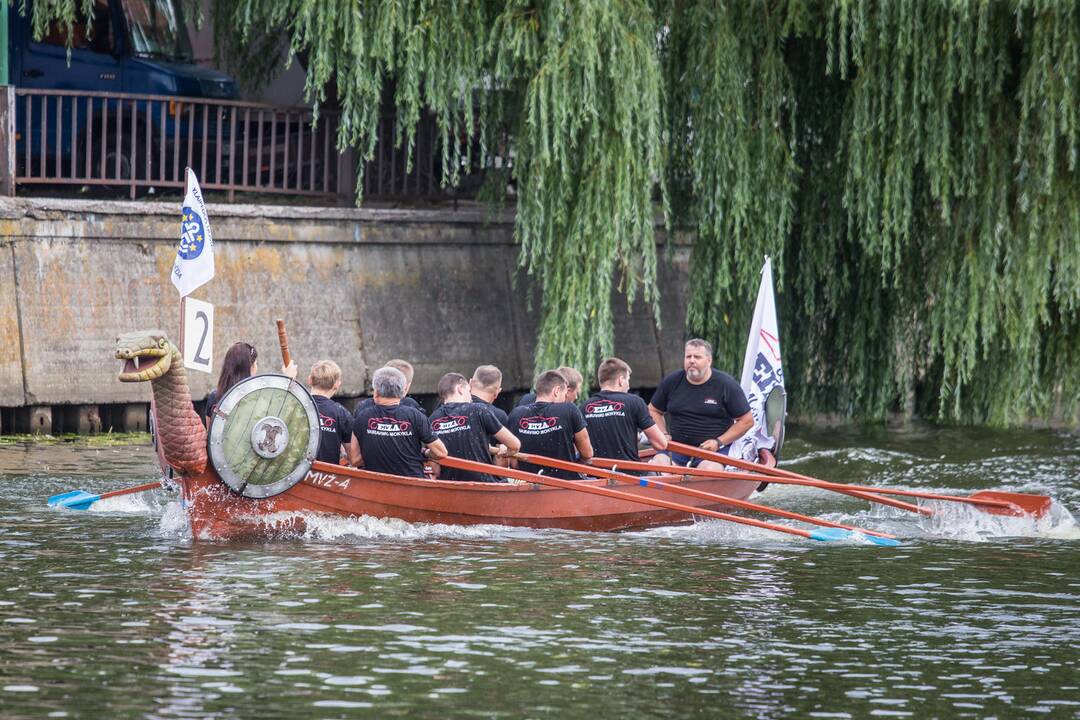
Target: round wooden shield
{"points": [[264, 435]]}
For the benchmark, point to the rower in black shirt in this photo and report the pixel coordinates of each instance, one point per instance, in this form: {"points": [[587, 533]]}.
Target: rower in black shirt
{"points": [[574, 383], [485, 386], [465, 426], [335, 422], [389, 437], [614, 416], [552, 427], [707, 407], [406, 369]]}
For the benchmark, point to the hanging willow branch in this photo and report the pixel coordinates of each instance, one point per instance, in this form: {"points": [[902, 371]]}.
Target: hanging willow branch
{"points": [[588, 153], [914, 167]]}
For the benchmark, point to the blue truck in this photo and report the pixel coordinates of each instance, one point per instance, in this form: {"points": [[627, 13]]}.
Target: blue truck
{"points": [[124, 46]]}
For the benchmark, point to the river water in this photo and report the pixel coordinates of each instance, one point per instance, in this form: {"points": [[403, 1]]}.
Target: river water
{"points": [[115, 612]]}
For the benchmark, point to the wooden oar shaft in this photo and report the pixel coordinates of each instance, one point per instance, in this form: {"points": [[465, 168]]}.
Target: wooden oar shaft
{"points": [[283, 341], [852, 490], [617, 494], [130, 490], [839, 487], [660, 484]]}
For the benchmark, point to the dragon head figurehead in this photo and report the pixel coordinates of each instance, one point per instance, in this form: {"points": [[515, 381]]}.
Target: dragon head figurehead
{"points": [[149, 357]]}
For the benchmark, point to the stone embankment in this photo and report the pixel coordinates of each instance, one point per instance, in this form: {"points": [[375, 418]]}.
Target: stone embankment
{"points": [[440, 288]]}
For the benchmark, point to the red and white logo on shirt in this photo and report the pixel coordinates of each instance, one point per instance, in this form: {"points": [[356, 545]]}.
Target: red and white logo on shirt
{"points": [[449, 423], [388, 424], [538, 424], [603, 407]]}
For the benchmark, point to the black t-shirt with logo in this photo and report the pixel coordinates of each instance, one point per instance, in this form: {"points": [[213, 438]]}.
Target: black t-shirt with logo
{"points": [[500, 415], [464, 429], [700, 412], [390, 438], [614, 419], [335, 429], [547, 428]]}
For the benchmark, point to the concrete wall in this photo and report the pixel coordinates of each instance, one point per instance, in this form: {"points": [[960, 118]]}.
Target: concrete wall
{"points": [[439, 288]]}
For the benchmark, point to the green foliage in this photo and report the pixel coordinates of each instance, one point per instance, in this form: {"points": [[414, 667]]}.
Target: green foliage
{"points": [[588, 150], [912, 167]]}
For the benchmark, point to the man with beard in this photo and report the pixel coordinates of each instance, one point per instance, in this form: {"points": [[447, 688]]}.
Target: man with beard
{"points": [[707, 407]]}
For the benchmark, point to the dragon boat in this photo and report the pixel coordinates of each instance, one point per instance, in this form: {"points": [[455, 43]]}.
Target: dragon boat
{"points": [[252, 473]]}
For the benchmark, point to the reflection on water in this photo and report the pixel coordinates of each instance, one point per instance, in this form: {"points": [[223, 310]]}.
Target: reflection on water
{"points": [[116, 612]]}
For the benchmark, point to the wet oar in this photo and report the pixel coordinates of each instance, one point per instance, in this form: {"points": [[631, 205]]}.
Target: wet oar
{"points": [[824, 534], [82, 500], [658, 483], [993, 501], [728, 475]]}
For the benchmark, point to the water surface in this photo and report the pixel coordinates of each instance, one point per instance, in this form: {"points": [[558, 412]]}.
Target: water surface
{"points": [[115, 612]]}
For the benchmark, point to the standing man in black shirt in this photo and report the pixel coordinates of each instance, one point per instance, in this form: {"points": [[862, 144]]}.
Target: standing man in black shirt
{"points": [[464, 427], [389, 436], [614, 416], [552, 427], [707, 407], [335, 422]]}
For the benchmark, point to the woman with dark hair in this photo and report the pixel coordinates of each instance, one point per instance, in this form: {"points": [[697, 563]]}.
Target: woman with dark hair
{"points": [[241, 362]]}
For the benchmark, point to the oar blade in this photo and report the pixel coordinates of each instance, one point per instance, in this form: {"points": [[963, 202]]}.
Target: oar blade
{"points": [[1037, 505], [74, 500], [834, 534], [57, 499]]}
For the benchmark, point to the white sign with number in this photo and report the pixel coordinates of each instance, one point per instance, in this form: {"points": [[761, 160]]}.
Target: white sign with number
{"points": [[198, 335]]}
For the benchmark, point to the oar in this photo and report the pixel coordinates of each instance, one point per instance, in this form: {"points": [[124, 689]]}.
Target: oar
{"points": [[824, 535], [993, 501], [750, 477], [660, 484], [82, 500], [283, 342]]}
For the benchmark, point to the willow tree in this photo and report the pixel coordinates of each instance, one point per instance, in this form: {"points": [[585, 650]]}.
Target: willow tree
{"points": [[912, 166]]}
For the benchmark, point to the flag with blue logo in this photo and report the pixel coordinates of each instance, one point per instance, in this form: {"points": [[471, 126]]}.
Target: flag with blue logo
{"points": [[762, 370], [194, 264]]}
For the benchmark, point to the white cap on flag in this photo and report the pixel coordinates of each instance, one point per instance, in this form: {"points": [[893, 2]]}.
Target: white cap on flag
{"points": [[194, 265]]}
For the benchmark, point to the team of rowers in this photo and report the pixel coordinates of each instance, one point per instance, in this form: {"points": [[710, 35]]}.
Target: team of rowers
{"points": [[390, 432]]}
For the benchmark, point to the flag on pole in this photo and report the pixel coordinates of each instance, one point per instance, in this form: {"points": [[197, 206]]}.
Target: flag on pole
{"points": [[194, 265], [762, 371]]}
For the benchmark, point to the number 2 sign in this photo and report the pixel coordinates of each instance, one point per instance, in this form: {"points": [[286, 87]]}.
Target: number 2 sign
{"points": [[198, 334]]}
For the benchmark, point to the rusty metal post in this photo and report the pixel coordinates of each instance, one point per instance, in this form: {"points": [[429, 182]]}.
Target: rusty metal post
{"points": [[7, 139], [346, 177]]}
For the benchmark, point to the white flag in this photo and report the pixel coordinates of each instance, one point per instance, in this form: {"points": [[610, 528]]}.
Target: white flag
{"points": [[762, 371], [194, 264]]}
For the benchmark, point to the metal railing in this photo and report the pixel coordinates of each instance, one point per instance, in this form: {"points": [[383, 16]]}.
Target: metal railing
{"points": [[58, 137], [137, 142]]}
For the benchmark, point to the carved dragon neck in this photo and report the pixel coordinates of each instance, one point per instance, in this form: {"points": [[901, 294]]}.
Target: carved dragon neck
{"points": [[149, 357]]}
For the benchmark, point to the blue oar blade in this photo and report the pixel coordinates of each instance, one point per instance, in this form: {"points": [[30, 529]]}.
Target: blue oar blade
{"points": [[74, 500], [830, 534], [57, 499], [833, 534], [887, 542]]}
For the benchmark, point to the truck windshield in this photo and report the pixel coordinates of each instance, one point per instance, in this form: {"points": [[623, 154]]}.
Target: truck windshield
{"points": [[156, 29]]}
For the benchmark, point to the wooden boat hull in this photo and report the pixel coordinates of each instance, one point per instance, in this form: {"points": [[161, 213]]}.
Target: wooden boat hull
{"points": [[216, 512]]}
